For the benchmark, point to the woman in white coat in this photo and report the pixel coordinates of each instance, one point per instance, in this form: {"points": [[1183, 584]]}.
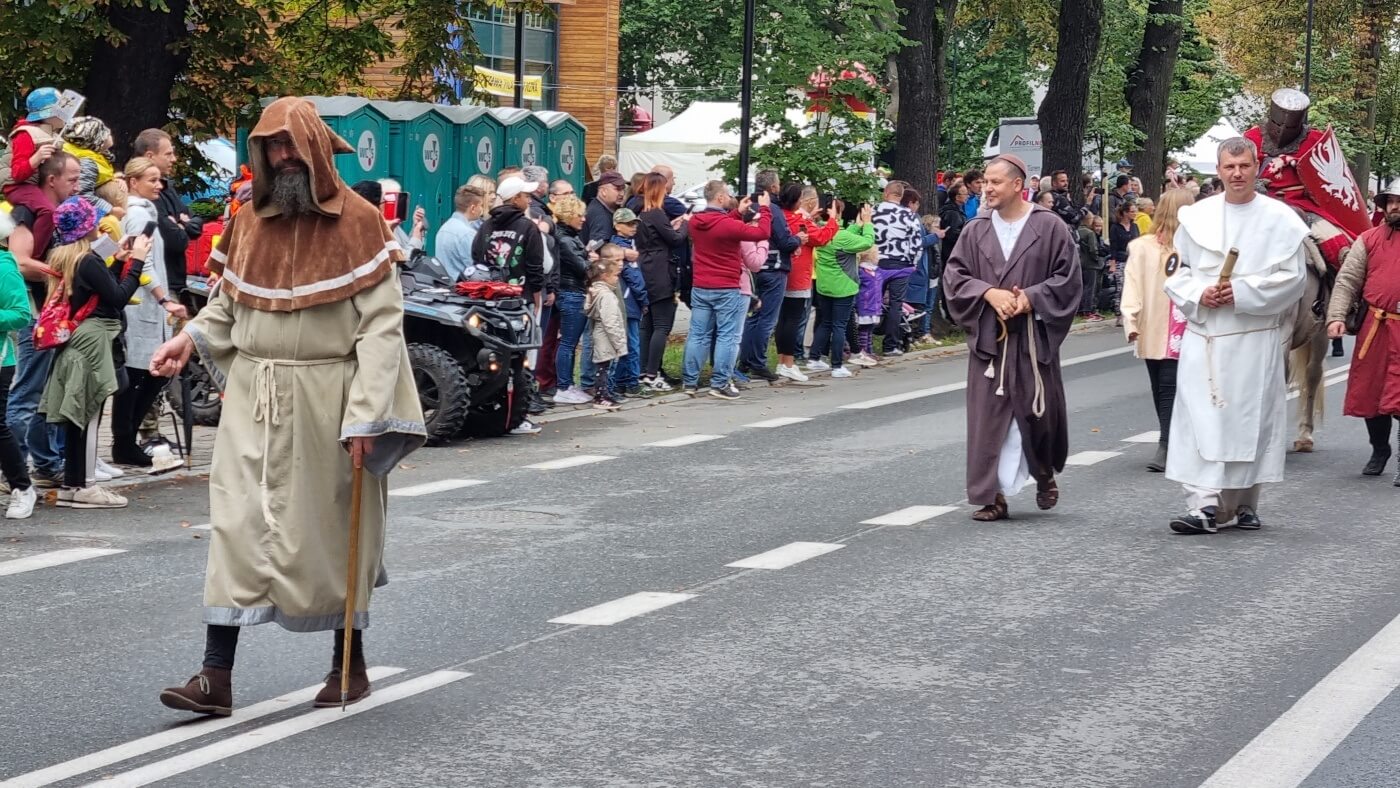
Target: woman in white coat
{"points": [[146, 321]]}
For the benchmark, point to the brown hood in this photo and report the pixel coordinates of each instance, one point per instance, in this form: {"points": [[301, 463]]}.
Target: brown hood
{"points": [[279, 263]]}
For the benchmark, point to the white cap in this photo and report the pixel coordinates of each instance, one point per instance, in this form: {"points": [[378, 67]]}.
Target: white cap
{"points": [[514, 185]]}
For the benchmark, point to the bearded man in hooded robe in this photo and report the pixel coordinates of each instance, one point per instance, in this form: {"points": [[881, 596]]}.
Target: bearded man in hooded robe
{"points": [[305, 336]]}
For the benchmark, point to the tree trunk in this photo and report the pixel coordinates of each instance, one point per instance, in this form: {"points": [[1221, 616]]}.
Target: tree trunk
{"points": [[922, 90], [1375, 17], [128, 85], [1148, 88], [1065, 110]]}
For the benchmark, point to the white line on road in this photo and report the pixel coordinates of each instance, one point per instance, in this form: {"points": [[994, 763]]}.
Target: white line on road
{"points": [[202, 527], [778, 422], [1286, 752], [570, 462], [785, 556], [260, 737], [1330, 378], [912, 515], [610, 613], [172, 736], [1145, 437], [683, 440], [894, 399], [1091, 457], [55, 558], [434, 487]]}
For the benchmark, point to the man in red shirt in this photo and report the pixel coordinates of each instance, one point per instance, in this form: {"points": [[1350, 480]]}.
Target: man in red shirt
{"points": [[717, 307]]}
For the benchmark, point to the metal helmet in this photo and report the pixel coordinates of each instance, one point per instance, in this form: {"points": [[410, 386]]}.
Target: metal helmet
{"points": [[1393, 190]]}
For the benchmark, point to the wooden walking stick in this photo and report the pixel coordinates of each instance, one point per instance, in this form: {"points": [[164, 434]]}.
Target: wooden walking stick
{"points": [[1228, 269], [352, 576]]}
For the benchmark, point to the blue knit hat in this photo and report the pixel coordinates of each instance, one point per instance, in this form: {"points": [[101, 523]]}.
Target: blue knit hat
{"points": [[42, 104], [74, 219]]}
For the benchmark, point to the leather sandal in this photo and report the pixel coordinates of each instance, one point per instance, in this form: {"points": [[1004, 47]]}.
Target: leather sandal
{"points": [[992, 511], [1047, 494]]}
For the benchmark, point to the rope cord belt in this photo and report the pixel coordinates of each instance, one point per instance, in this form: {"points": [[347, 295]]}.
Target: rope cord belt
{"points": [[1215, 398], [1038, 400], [1379, 316]]}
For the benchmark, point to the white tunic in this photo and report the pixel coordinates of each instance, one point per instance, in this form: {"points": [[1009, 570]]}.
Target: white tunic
{"points": [[1013, 470], [1230, 419]]}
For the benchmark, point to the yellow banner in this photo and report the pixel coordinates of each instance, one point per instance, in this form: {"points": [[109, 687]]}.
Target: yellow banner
{"points": [[499, 83]]}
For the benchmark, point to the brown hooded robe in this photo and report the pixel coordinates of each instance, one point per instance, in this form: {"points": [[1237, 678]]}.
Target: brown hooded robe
{"points": [[1045, 266], [305, 335]]}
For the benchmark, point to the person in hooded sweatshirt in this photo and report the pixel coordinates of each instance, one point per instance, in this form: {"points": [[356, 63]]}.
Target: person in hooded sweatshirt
{"points": [[510, 242]]}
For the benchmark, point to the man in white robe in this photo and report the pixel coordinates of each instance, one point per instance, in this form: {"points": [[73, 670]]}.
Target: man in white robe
{"points": [[1230, 419]]}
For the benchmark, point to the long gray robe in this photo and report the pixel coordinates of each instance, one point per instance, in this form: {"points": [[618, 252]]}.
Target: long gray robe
{"points": [[1045, 265]]}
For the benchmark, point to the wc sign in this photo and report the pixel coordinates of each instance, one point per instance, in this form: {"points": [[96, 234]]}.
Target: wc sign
{"points": [[566, 157], [527, 152], [365, 151], [432, 153], [484, 155]]}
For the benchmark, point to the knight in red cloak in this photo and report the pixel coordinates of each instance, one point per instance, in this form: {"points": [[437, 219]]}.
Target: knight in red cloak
{"points": [[1305, 168]]}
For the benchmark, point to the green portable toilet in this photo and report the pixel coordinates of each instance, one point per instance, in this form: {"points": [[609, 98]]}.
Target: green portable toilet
{"points": [[564, 147], [480, 141], [525, 137], [422, 157], [359, 123]]}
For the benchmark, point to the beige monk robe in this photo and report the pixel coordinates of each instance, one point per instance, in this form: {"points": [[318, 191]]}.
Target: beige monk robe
{"points": [[296, 386]]}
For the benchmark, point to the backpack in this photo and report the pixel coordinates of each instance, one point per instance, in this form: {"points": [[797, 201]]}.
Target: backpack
{"points": [[41, 137], [56, 322]]}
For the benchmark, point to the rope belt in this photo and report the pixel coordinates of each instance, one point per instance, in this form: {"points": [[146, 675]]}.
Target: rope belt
{"points": [[1378, 316], [1038, 399], [1215, 398], [268, 411]]}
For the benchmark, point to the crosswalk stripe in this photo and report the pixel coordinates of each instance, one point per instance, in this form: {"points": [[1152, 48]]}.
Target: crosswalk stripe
{"points": [[910, 515], [1091, 457], [54, 558], [786, 556], [781, 421], [261, 737], [683, 440], [434, 487], [630, 606], [1152, 436], [570, 462], [166, 738]]}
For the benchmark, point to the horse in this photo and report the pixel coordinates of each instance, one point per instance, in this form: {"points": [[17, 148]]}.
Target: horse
{"points": [[1307, 346]]}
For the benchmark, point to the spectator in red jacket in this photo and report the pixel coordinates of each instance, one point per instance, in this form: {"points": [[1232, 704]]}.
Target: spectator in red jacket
{"points": [[717, 307]]}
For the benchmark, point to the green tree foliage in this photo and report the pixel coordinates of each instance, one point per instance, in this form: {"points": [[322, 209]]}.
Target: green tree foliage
{"points": [[991, 74]]}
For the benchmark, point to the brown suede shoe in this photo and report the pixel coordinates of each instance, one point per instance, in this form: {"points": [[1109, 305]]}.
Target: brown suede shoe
{"points": [[330, 694], [209, 692]]}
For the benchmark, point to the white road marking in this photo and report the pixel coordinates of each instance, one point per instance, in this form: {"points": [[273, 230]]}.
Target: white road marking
{"points": [[684, 440], [894, 399], [202, 527], [912, 515], [1154, 436], [610, 613], [570, 462], [785, 556], [778, 422], [1091, 457], [55, 558], [261, 737], [1330, 378], [172, 736], [434, 487], [1286, 752]]}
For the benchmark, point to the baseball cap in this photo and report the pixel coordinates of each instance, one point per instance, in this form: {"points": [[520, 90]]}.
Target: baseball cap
{"points": [[1124, 164], [42, 104], [624, 216], [612, 178], [515, 185]]}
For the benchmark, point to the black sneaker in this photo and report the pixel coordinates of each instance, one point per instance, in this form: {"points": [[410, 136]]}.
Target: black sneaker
{"points": [[45, 480], [1247, 520], [1197, 521], [763, 372], [727, 393]]}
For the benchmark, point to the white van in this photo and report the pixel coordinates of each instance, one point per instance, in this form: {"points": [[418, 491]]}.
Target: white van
{"points": [[1019, 137]]}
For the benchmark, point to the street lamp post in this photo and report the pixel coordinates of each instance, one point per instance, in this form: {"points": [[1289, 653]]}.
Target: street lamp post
{"points": [[746, 99], [1307, 50], [520, 56]]}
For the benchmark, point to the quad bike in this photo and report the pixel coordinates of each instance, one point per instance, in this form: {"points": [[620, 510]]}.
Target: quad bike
{"points": [[468, 355]]}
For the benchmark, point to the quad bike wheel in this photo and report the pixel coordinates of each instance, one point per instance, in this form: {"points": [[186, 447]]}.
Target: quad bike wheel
{"points": [[206, 401], [442, 391]]}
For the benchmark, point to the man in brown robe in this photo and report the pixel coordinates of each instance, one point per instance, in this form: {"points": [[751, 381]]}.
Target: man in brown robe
{"points": [[1013, 277]]}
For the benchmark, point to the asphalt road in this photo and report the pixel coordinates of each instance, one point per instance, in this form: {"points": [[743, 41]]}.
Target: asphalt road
{"points": [[1087, 646]]}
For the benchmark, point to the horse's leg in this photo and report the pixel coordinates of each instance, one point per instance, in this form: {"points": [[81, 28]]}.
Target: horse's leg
{"points": [[1307, 368]]}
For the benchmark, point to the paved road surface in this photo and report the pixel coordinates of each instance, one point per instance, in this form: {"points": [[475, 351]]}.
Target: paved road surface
{"points": [[587, 626]]}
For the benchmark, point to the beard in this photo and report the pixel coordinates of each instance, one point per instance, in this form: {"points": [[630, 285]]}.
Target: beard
{"points": [[291, 191], [1392, 220]]}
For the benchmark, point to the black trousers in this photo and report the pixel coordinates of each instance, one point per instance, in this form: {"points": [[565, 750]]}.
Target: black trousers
{"points": [[894, 313], [1377, 428], [1089, 302], [131, 404], [74, 456], [221, 645], [789, 323], [1162, 374], [656, 329], [12, 462]]}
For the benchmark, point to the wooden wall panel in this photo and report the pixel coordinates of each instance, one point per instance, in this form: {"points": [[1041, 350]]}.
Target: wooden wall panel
{"points": [[588, 33]]}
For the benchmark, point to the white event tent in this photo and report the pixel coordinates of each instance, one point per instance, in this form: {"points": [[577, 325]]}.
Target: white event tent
{"points": [[685, 142], [1202, 153]]}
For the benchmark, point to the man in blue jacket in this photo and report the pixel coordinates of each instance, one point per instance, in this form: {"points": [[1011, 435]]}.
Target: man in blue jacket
{"points": [[769, 285]]}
